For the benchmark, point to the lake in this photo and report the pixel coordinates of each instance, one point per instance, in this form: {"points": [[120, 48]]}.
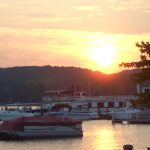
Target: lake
{"points": [[98, 135]]}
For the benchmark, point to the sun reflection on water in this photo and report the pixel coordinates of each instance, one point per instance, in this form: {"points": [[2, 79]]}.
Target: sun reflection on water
{"points": [[102, 137], [105, 138]]}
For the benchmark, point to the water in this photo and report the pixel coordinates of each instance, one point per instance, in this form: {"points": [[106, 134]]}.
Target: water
{"points": [[98, 135]]}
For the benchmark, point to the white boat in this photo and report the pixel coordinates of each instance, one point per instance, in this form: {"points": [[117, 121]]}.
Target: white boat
{"points": [[67, 110], [40, 127], [80, 115], [11, 114], [99, 104], [124, 113]]}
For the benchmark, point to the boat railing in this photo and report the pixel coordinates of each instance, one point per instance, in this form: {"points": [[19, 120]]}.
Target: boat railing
{"points": [[141, 116], [121, 116], [134, 118]]}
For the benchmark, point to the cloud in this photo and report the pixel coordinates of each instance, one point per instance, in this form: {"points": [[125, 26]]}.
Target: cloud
{"points": [[47, 19], [111, 16], [134, 5], [87, 8], [61, 47], [25, 47], [62, 32]]}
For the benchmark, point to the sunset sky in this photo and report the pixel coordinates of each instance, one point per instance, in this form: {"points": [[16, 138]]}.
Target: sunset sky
{"points": [[94, 34]]}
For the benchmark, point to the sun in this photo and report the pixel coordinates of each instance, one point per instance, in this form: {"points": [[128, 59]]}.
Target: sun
{"points": [[103, 56]]}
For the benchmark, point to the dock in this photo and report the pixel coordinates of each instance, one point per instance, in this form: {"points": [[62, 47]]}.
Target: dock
{"points": [[137, 118], [143, 118]]}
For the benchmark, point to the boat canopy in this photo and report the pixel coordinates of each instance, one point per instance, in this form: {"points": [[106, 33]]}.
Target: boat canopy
{"points": [[19, 123]]}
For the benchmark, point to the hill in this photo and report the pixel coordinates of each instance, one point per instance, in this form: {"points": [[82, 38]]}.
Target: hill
{"points": [[29, 83]]}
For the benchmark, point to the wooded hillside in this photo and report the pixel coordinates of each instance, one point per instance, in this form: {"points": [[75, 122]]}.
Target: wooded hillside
{"points": [[29, 83]]}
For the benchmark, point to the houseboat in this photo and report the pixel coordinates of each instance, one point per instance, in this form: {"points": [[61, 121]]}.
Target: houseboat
{"points": [[81, 100]]}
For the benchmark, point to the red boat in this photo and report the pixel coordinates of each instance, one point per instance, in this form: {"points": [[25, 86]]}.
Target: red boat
{"points": [[40, 127]]}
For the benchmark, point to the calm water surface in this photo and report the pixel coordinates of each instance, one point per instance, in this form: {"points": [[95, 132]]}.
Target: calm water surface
{"points": [[98, 135]]}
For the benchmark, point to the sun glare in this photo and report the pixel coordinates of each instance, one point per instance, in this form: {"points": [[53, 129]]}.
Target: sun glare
{"points": [[105, 138], [103, 56]]}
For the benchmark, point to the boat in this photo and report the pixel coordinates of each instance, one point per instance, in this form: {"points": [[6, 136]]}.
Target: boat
{"points": [[11, 114], [124, 113], [40, 127], [80, 115], [100, 104], [67, 110]]}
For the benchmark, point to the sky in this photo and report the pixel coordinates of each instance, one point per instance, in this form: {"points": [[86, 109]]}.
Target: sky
{"points": [[93, 34]]}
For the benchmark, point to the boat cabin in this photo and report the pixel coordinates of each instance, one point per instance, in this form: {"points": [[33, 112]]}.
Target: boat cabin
{"points": [[80, 94]]}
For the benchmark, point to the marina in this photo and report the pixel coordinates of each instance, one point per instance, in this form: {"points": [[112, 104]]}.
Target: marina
{"points": [[105, 115], [79, 105]]}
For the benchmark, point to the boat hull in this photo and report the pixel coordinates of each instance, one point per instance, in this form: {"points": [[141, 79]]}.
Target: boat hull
{"points": [[41, 135], [76, 115]]}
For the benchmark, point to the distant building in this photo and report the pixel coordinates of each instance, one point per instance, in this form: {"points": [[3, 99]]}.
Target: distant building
{"points": [[143, 87]]}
